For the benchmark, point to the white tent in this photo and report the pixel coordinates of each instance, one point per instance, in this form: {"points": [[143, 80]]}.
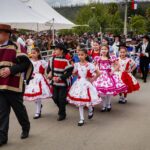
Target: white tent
{"points": [[19, 16], [43, 8]]}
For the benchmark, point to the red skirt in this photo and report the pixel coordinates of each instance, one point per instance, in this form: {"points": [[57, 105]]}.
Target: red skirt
{"points": [[126, 78]]}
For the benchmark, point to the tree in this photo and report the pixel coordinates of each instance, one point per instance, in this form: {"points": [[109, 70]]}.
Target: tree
{"points": [[105, 16], [148, 19], [94, 25], [147, 13], [138, 24], [112, 8]]}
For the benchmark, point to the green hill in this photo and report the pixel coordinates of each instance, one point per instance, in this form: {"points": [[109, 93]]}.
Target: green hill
{"points": [[72, 11]]}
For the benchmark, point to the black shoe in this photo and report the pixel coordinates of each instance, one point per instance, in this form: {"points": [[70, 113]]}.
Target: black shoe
{"points": [[120, 102], [24, 134], [91, 116], [37, 116], [124, 102], [3, 142], [104, 109], [61, 118], [145, 81], [109, 109], [81, 123]]}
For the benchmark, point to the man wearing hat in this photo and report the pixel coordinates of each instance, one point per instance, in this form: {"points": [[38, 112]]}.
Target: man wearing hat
{"points": [[60, 70], [13, 62], [144, 49]]}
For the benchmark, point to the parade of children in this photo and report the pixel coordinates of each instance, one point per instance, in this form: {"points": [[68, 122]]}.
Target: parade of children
{"points": [[84, 81], [90, 81], [74, 74]]}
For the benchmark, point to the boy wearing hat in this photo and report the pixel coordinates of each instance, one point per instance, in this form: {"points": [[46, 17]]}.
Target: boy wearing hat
{"points": [[13, 61], [60, 70]]}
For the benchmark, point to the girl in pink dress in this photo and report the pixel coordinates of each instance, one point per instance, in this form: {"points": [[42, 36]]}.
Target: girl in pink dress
{"points": [[107, 84], [82, 92], [126, 67], [38, 87]]}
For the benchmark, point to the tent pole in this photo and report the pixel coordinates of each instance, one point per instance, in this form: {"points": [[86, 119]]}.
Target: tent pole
{"points": [[37, 27], [53, 32]]}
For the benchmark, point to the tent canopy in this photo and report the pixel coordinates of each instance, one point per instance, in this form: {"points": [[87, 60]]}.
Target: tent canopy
{"points": [[19, 16], [43, 8]]}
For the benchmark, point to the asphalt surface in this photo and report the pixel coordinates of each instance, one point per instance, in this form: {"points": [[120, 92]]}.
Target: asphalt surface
{"points": [[127, 127]]}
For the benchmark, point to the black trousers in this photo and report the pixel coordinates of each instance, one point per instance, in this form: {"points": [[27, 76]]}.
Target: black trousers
{"points": [[59, 97], [144, 66], [10, 99]]}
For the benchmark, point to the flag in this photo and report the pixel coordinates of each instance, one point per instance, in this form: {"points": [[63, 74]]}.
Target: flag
{"points": [[134, 4]]}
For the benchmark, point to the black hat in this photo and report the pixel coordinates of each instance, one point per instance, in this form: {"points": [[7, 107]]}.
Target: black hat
{"points": [[146, 37], [61, 47], [117, 36]]}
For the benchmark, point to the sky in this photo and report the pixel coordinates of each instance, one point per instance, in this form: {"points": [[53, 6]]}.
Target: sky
{"points": [[79, 2]]}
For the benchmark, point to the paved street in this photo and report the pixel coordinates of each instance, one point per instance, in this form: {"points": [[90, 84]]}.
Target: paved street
{"points": [[127, 127]]}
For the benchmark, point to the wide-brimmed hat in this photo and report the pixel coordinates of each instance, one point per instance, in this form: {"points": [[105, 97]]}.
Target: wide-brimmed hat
{"points": [[6, 28], [61, 47]]}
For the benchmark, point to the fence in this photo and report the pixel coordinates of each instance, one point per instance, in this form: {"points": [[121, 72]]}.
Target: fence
{"points": [[48, 53]]}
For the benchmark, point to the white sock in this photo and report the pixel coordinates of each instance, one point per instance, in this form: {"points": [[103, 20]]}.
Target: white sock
{"points": [[121, 97], [104, 98], [81, 112], [124, 99], [109, 97], [38, 107], [90, 110]]}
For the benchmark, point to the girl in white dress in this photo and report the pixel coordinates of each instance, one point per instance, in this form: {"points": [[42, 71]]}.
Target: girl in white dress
{"points": [[82, 92], [38, 87]]}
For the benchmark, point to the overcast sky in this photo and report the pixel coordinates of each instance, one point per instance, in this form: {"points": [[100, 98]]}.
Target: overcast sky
{"points": [[74, 2]]}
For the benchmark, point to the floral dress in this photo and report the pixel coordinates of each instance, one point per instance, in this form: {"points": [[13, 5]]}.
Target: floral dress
{"points": [[107, 83], [82, 92]]}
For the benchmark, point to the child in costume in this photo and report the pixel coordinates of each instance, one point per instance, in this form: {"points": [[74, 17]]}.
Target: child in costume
{"points": [[59, 71], [38, 87], [82, 92], [107, 84], [126, 67]]}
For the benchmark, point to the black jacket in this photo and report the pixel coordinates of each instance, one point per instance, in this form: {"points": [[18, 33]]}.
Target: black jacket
{"points": [[146, 51]]}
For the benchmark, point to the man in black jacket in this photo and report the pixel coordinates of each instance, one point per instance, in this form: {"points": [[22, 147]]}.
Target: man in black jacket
{"points": [[144, 49], [14, 68]]}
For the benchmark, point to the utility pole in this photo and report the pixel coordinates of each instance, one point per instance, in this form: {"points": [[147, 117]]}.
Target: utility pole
{"points": [[125, 17]]}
